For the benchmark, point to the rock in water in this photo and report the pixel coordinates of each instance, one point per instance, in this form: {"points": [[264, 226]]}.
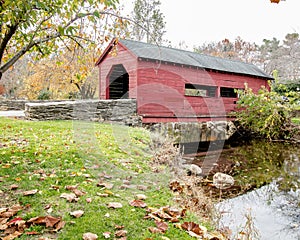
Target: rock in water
{"points": [[222, 180]]}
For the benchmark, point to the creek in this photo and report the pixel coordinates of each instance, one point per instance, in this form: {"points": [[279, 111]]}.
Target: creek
{"points": [[268, 176], [264, 202]]}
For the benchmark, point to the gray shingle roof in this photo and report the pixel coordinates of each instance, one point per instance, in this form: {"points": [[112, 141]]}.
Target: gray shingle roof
{"points": [[172, 55]]}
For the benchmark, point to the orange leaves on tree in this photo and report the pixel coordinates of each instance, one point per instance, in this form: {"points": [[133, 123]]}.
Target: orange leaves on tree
{"points": [[275, 1]]}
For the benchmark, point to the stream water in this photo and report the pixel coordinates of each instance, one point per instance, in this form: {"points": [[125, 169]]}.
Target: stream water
{"points": [[272, 211]]}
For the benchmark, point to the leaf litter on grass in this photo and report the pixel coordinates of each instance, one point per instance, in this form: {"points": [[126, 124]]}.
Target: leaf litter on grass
{"points": [[82, 169]]}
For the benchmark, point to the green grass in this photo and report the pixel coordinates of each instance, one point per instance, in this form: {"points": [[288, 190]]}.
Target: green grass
{"points": [[296, 120], [50, 155]]}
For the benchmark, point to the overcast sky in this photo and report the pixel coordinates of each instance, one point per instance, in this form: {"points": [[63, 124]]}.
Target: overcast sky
{"points": [[200, 21]]}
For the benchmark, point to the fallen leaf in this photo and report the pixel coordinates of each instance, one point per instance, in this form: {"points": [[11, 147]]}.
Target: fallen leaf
{"points": [[142, 187], [32, 233], [194, 228], [105, 185], [89, 236], [88, 200], [50, 210], [114, 205], [161, 226], [78, 193], [107, 215], [14, 221], [2, 210], [3, 225], [108, 192], [121, 233], [7, 165], [138, 203], [106, 234], [77, 213], [165, 213], [59, 225], [9, 212], [119, 227], [47, 206], [69, 196], [12, 236], [103, 194], [30, 192], [71, 187], [141, 197], [14, 187], [154, 230], [176, 186], [49, 221]]}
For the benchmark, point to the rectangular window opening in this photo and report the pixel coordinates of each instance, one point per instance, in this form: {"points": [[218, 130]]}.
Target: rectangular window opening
{"points": [[228, 92], [196, 90]]}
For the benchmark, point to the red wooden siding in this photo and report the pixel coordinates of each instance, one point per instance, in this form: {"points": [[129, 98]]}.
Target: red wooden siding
{"points": [[161, 95], [130, 64], [160, 88]]}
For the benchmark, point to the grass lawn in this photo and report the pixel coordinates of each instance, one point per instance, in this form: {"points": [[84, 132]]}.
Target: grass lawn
{"points": [[105, 164], [296, 120]]}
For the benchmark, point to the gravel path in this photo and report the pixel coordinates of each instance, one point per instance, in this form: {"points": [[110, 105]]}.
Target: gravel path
{"points": [[12, 114]]}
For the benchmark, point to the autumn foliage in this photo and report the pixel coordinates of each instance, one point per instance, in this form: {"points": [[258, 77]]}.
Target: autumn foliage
{"points": [[68, 75], [2, 89]]}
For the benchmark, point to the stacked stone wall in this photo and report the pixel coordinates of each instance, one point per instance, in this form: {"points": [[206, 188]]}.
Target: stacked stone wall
{"points": [[122, 111]]}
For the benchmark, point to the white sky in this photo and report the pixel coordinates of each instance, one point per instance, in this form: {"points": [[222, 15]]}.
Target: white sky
{"points": [[200, 21]]}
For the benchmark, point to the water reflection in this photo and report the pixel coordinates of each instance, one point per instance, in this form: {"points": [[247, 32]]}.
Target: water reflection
{"points": [[275, 207], [275, 215]]}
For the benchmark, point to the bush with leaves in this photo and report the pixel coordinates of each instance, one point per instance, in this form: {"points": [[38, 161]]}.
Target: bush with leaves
{"points": [[44, 95], [265, 113]]}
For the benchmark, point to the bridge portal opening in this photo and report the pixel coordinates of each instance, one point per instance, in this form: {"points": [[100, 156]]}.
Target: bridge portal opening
{"points": [[118, 82]]}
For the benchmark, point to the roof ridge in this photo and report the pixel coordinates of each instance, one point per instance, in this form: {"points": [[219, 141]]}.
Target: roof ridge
{"points": [[188, 51], [186, 57]]}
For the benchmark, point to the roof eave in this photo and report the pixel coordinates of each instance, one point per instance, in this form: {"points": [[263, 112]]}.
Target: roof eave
{"points": [[106, 51], [205, 68]]}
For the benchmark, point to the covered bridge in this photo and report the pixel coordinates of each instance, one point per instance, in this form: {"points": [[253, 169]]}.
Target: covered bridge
{"points": [[172, 85]]}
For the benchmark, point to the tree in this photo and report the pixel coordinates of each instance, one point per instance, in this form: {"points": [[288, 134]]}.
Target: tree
{"points": [[149, 24], [237, 50], [69, 74], [42, 27], [14, 77], [285, 58]]}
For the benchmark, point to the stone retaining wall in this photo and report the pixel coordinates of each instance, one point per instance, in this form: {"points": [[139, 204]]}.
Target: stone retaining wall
{"points": [[186, 132], [122, 111], [19, 105]]}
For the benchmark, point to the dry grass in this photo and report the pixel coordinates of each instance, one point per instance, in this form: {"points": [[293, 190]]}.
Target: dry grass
{"points": [[187, 189]]}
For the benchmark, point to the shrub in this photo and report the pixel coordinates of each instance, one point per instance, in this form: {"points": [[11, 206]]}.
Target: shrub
{"points": [[44, 95], [265, 113]]}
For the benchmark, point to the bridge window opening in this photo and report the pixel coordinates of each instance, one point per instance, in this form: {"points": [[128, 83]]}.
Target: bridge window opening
{"points": [[118, 82], [228, 92], [196, 90]]}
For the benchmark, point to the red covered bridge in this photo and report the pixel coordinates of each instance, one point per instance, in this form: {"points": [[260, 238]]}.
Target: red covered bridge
{"points": [[172, 85]]}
